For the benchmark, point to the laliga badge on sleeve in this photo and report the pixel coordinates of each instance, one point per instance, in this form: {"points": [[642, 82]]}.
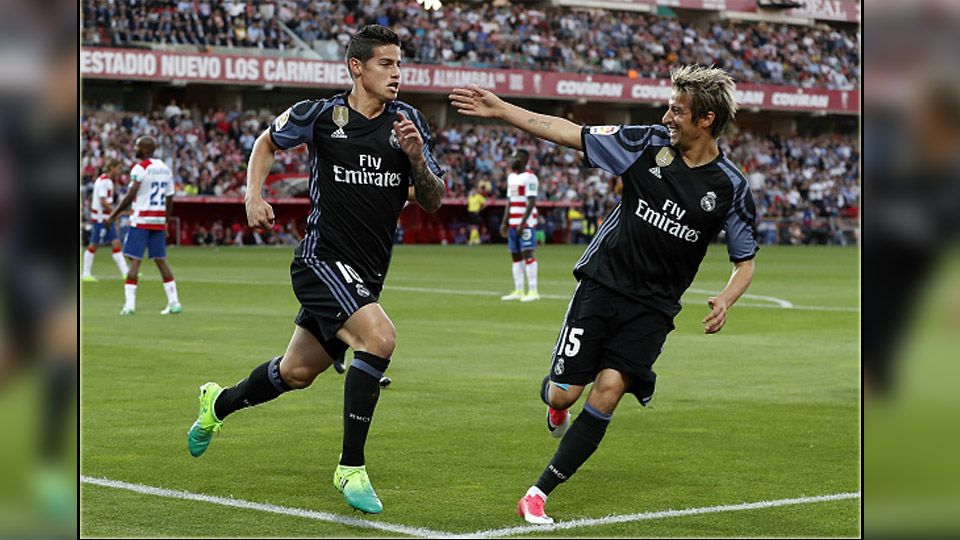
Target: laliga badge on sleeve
{"points": [[665, 156], [281, 120], [604, 130]]}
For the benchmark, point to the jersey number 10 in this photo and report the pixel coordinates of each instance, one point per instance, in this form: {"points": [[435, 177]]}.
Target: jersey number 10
{"points": [[349, 274]]}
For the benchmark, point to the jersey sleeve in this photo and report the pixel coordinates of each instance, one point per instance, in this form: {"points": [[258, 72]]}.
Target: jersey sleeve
{"points": [[428, 143], [101, 189], [616, 148], [171, 185], [294, 126], [530, 184], [136, 173], [741, 225]]}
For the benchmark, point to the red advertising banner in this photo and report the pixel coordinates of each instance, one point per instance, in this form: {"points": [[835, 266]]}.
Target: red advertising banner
{"points": [[134, 64], [830, 10]]}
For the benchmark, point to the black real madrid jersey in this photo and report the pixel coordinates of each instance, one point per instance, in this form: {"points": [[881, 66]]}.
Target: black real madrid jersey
{"points": [[650, 246], [359, 179]]}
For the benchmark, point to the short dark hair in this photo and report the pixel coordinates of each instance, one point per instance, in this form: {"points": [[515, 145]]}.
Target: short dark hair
{"points": [[523, 154], [363, 42]]}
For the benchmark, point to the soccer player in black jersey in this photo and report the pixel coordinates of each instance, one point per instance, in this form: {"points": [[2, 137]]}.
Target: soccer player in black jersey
{"points": [[679, 191], [369, 154]]}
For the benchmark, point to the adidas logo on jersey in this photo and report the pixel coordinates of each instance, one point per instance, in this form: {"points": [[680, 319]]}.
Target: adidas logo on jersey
{"points": [[656, 172]]}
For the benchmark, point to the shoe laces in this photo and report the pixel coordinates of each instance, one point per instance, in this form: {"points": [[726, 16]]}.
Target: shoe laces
{"points": [[352, 473], [535, 505]]}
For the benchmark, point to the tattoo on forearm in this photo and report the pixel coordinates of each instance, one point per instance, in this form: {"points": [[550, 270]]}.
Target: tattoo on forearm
{"points": [[427, 188], [534, 122]]}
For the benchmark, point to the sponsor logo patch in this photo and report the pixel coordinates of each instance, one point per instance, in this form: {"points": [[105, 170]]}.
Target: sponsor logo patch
{"points": [[655, 171]]}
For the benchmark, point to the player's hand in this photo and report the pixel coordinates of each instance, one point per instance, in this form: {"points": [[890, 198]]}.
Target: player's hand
{"points": [[504, 229], [409, 137], [259, 213], [475, 101], [714, 322]]}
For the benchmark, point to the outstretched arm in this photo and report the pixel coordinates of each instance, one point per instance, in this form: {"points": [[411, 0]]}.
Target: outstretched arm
{"points": [[475, 101], [719, 304]]}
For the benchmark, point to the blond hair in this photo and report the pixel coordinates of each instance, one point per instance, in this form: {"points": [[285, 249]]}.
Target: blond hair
{"points": [[710, 89]]}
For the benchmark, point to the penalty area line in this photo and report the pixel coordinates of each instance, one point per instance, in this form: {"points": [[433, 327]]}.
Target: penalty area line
{"points": [[577, 523], [271, 508]]}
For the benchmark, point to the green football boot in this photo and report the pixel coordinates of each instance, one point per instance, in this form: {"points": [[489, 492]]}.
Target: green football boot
{"points": [[354, 484], [172, 309], [198, 438]]}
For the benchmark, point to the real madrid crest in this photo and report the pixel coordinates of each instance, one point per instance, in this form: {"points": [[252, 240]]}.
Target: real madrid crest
{"points": [[394, 142], [341, 116], [709, 201], [665, 156]]}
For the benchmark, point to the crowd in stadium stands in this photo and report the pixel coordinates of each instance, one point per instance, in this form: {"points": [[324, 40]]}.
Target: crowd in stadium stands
{"points": [[801, 184], [222, 24], [510, 36]]}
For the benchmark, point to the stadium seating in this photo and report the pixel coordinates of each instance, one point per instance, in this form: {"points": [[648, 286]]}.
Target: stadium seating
{"points": [[807, 180], [506, 36]]}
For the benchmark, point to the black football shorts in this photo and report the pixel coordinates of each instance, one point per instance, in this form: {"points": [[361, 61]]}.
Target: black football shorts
{"points": [[329, 292], [605, 330]]}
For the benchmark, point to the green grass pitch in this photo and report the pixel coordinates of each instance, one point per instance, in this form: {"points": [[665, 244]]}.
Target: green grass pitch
{"points": [[768, 409]]}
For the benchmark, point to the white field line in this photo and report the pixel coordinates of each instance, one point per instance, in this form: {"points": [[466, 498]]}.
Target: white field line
{"points": [[271, 508], [577, 523], [430, 533], [774, 302]]}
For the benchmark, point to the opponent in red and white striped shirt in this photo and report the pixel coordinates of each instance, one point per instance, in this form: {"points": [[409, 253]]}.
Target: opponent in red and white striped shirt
{"points": [[151, 194], [103, 233], [519, 225]]}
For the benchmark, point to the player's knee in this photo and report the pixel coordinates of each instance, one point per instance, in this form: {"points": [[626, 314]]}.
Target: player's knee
{"points": [[605, 398], [560, 399], [562, 396], [382, 343], [298, 377]]}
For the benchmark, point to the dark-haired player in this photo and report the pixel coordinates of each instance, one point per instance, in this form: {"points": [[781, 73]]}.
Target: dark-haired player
{"points": [[368, 156], [519, 225], [151, 199]]}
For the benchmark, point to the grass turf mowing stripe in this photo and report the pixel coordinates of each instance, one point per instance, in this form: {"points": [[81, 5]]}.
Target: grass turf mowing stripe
{"points": [[590, 522], [273, 509], [778, 303]]}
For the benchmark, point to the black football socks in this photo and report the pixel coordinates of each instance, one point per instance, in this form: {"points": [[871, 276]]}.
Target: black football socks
{"points": [[361, 390], [575, 448], [263, 384]]}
